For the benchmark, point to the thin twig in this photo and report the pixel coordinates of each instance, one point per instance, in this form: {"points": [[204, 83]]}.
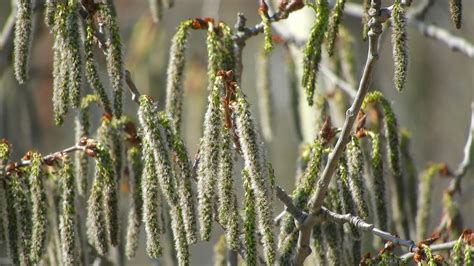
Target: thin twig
{"points": [[345, 86], [437, 247], [289, 206]]}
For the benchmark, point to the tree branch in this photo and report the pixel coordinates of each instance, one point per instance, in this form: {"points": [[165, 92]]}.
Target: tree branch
{"points": [[437, 247]]}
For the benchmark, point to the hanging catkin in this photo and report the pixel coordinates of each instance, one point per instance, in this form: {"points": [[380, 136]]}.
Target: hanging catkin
{"points": [[455, 7], [73, 46], [333, 27], [22, 39], [250, 223], [22, 210], [39, 211], [264, 94], [424, 200], [96, 231], [355, 176], [175, 74], [156, 9], [67, 220], [399, 43]]}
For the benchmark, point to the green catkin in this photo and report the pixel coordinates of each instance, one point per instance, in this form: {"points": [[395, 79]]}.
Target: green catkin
{"points": [[264, 94], [105, 171], [365, 19], [151, 203], [453, 214], [429, 255], [343, 187], [355, 176], [175, 74], [156, 9], [225, 191], [60, 82], [74, 52], [468, 253], [399, 43], [116, 147], [13, 245], [294, 91], [22, 39], [3, 214], [318, 245], [91, 72], [220, 252], [68, 215], [455, 7], [333, 27], [424, 200], [22, 209], [330, 233], [134, 158], [49, 11], [456, 253], [312, 51], [96, 231], [227, 61], [267, 28], [114, 53], [393, 149], [183, 174], [250, 223], [156, 138], [213, 55], [210, 150], [378, 183], [253, 158], [410, 171], [39, 210]]}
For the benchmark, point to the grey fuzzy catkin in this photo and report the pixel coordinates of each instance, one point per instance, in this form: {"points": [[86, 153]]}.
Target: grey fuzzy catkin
{"points": [[399, 43], [355, 176], [250, 223], [264, 93], [96, 231], [378, 184], [74, 52], [22, 39]]}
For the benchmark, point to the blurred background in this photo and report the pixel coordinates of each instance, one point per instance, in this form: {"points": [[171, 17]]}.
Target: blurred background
{"points": [[434, 107]]}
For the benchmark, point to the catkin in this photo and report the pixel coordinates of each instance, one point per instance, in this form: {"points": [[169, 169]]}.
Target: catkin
{"points": [[113, 53], [399, 43], [151, 200], [264, 94], [13, 245], [468, 250], [213, 55], [22, 209], [135, 214], [91, 72], [22, 39], [330, 233], [424, 200], [455, 7], [456, 253], [250, 226], [253, 157], [96, 231], [411, 177], [312, 51], [49, 13], [207, 174], [378, 183], [267, 29], [220, 252], [294, 91], [227, 61], [67, 218], [355, 176], [333, 27], [60, 82], [39, 210], [156, 9], [175, 74], [73, 52]]}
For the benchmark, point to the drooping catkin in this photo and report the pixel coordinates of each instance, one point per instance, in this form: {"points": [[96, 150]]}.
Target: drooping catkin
{"points": [[113, 53], [210, 150], [318, 245], [330, 233], [343, 188], [355, 176], [105, 171], [468, 248], [12, 227], [227, 61], [60, 82], [225, 192], [399, 43], [312, 51], [22, 39], [3, 211], [49, 13], [253, 157], [91, 72], [267, 28], [455, 7], [456, 253], [264, 94], [135, 215], [179, 233], [156, 10], [294, 87], [411, 177], [151, 202], [183, 173], [393, 150], [73, 52], [378, 183], [39, 210], [67, 220], [175, 74], [424, 200], [250, 223], [333, 27], [96, 230], [213, 55]]}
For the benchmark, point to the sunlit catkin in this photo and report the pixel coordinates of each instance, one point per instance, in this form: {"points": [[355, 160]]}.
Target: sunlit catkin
{"points": [[113, 53], [253, 157], [378, 183], [333, 27], [49, 12], [455, 7], [60, 82], [22, 39], [424, 200], [213, 55], [12, 228], [456, 253], [151, 203], [67, 220], [267, 29], [399, 43], [91, 72], [355, 176], [264, 95], [312, 51], [96, 230], [468, 248], [134, 158], [39, 211], [209, 163], [73, 45], [227, 61], [175, 74], [250, 223], [22, 209]]}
